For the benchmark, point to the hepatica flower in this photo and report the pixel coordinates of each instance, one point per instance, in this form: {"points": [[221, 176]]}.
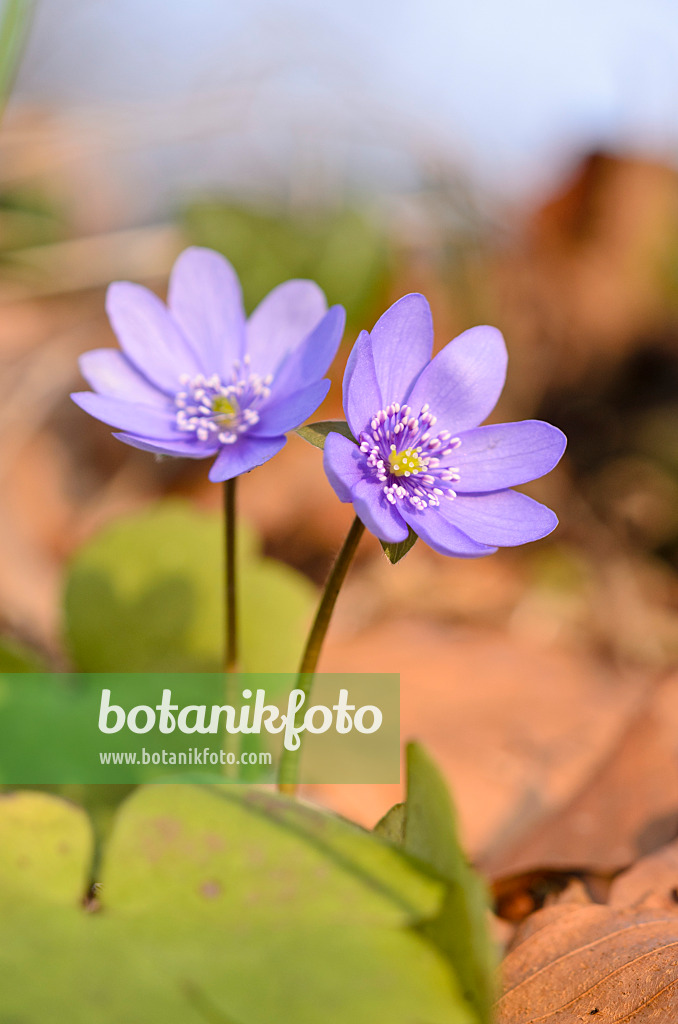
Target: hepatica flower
{"points": [[196, 379], [422, 460]]}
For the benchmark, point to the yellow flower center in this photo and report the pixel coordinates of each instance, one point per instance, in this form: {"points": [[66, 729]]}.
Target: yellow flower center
{"points": [[405, 463], [224, 408]]}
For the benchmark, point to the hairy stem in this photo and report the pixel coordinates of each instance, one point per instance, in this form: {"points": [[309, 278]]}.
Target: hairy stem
{"points": [[289, 762], [231, 645], [232, 687]]}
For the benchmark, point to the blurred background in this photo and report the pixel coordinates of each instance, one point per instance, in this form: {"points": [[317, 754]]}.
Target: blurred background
{"points": [[517, 164]]}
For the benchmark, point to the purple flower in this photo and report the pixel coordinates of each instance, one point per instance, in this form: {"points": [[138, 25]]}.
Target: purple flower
{"points": [[196, 379], [421, 460]]}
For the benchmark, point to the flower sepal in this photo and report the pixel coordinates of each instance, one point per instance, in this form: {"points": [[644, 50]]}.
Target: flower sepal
{"points": [[316, 433], [394, 552]]}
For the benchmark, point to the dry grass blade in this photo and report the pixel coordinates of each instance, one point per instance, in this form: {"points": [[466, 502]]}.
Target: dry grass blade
{"points": [[575, 963]]}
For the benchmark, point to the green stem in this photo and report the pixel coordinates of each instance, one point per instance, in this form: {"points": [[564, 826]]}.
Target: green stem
{"points": [[232, 685], [231, 647], [289, 762]]}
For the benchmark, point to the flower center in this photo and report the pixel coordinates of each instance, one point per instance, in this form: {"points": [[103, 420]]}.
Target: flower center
{"points": [[407, 456], [216, 410], [407, 462], [224, 408]]}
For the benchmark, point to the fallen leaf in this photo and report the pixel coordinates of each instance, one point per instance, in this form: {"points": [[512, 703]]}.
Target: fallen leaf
{"points": [[573, 962], [517, 730], [625, 809], [651, 882]]}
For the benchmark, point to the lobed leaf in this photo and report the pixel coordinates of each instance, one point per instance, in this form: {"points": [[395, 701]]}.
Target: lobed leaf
{"points": [[227, 907], [146, 595], [427, 830], [45, 848]]}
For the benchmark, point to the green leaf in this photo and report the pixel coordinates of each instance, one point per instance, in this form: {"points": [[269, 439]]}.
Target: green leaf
{"points": [[460, 929], [218, 906], [146, 595], [392, 825], [394, 552], [57, 962], [60, 964], [316, 433], [46, 846], [272, 910]]}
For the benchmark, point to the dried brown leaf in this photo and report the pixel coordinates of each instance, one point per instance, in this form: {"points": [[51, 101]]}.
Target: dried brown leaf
{"points": [[651, 882], [626, 808], [517, 730], [572, 963]]}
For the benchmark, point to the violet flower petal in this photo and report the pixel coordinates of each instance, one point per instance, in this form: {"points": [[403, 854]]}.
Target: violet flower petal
{"points": [[205, 299], [244, 455], [289, 411], [132, 417], [343, 464], [281, 321], [463, 382], [379, 516], [110, 372], [402, 343], [411, 467], [504, 518], [442, 535], [185, 384], [312, 358], [149, 336], [362, 395], [189, 449], [504, 455]]}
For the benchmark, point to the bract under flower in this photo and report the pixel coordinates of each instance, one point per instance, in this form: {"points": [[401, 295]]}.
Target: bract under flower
{"points": [[422, 461], [194, 378]]}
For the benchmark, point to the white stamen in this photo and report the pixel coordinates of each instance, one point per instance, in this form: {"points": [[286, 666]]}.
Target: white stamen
{"points": [[205, 407], [417, 474]]}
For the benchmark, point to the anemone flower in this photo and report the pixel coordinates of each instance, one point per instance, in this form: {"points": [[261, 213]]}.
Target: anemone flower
{"points": [[421, 460], [195, 378]]}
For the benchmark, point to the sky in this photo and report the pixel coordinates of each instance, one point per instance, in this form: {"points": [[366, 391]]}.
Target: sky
{"points": [[511, 91]]}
